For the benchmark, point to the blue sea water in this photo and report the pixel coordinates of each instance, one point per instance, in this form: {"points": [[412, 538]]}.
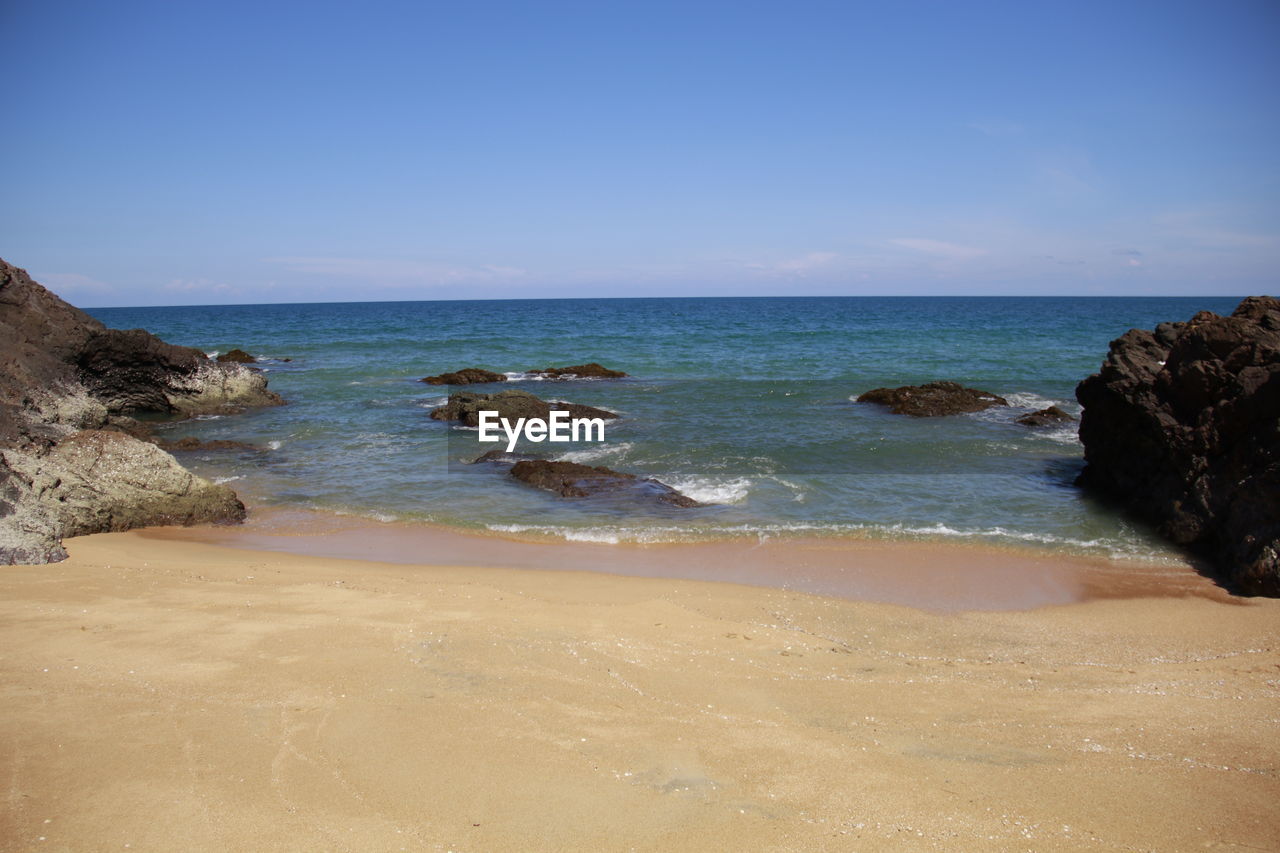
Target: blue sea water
{"points": [[743, 403]]}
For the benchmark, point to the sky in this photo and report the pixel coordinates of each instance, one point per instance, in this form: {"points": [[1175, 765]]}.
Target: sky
{"points": [[167, 153]]}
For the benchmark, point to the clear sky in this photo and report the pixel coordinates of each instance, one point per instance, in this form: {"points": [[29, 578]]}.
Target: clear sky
{"points": [[184, 152]]}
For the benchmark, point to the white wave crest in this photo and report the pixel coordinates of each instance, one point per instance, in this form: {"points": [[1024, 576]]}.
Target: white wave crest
{"points": [[275, 445], [218, 481], [594, 454], [1030, 400], [1065, 434], [712, 491]]}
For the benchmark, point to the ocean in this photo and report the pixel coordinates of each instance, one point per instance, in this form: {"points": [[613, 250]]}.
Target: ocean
{"points": [[745, 404]]}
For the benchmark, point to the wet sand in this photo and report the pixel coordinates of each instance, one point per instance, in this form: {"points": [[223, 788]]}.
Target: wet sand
{"points": [[162, 694], [928, 574]]}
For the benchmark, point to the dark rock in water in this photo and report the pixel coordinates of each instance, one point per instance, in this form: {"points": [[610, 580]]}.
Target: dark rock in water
{"points": [[465, 406], [466, 376], [1182, 427], [575, 480], [134, 371], [71, 460], [190, 442], [239, 356], [1045, 417], [590, 370], [933, 399], [501, 456]]}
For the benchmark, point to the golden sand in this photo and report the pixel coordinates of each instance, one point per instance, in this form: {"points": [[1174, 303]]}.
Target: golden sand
{"points": [[172, 695]]}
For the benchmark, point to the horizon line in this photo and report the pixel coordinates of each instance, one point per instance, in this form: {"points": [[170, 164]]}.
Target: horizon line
{"points": [[688, 298]]}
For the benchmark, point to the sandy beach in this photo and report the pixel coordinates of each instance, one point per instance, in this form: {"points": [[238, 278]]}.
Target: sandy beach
{"points": [[163, 694]]}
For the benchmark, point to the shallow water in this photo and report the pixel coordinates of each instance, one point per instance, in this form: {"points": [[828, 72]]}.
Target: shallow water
{"points": [[745, 404]]}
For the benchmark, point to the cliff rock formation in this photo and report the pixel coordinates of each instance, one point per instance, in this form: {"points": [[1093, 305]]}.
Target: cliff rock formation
{"points": [[1182, 426], [68, 385]]}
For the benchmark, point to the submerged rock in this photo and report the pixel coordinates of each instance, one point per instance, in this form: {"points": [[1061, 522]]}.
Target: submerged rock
{"points": [[238, 356], [465, 406], [72, 460], [575, 480], [466, 376], [1045, 417], [190, 442], [933, 399], [590, 370], [1182, 427]]}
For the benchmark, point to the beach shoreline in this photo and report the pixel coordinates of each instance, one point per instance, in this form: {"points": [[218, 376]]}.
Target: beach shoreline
{"points": [[977, 575], [163, 693]]}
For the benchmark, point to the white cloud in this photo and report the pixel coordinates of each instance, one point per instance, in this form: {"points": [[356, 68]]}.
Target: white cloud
{"points": [[798, 266], [939, 248], [397, 273], [202, 285]]}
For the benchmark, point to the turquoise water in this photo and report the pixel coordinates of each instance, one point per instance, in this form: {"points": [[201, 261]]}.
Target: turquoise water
{"points": [[742, 403]]}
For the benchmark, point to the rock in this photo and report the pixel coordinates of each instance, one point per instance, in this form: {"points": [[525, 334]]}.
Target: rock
{"points": [[72, 459], [465, 406], [96, 481], [466, 376], [1182, 427], [591, 370], [1045, 417], [190, 442], [575, 480], [501, 456], [134, 371], [933, 399], [238, 356]]}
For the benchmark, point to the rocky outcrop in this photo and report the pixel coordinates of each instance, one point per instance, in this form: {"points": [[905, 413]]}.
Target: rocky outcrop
{"points": [[465, 406], [72, 461], [1182, 427], [238, 356], [96, 481], [933, 399], [575, 480], [134, 371], [466, 376], [1052, 416], [590, 370]]}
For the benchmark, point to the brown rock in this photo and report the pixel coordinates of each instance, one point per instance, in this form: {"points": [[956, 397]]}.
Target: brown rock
{"points": [[590, 370], [238, 356], [933, 399], [575, 480], [466, 376], [190, 442], [465, 406], [1182, 427], [1045, 417]]}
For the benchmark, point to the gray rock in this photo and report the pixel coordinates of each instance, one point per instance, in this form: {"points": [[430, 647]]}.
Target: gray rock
{"points": [[71, 459]]}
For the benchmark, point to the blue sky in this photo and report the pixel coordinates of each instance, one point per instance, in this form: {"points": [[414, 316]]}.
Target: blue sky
{"points": [[228, 152]]}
